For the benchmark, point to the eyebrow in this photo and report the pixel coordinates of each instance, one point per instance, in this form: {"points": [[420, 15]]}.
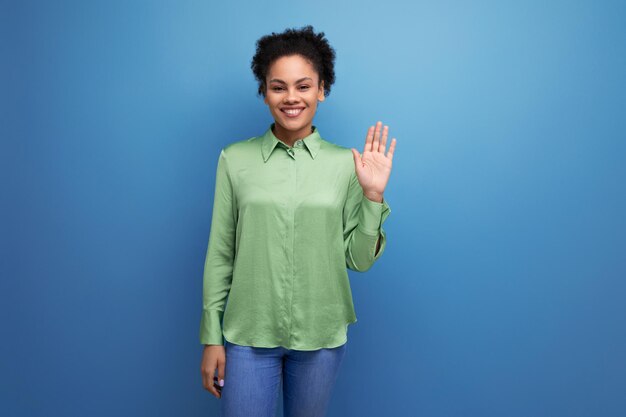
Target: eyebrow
{"points": [[298, 81]]}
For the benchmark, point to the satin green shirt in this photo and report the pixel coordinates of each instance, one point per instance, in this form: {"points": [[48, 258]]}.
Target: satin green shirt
{"points": [[287, 222]]}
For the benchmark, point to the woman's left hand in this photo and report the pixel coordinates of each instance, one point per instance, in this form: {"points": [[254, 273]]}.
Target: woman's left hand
{"points": [[373, 167]]}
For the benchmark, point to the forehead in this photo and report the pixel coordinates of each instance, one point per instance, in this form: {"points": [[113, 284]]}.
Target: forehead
{"points": [[291, 68]]}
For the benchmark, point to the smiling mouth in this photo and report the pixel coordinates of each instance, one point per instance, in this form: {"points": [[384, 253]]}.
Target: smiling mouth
{"points": [[292, 112]]}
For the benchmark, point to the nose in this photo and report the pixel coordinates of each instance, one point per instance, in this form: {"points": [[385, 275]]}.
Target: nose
{"points": [[292, 97]]}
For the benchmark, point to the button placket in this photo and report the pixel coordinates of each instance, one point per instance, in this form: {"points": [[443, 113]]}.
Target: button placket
{"points": [[291, 251]]}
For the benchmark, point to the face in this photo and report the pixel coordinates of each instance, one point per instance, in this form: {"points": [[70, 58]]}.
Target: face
{"points": [[292, 93]]}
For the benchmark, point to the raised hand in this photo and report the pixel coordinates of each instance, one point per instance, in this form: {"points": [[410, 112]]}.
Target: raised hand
{"points": [[373, 167]]}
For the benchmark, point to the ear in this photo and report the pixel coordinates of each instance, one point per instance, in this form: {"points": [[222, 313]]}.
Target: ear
{"points": [[320, 93]]}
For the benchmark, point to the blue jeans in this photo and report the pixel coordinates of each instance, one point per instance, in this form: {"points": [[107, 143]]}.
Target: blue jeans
{"points": [[253, 376]]}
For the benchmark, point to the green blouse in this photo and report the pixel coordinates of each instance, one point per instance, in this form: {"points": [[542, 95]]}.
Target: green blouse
{"points": [[286, 223]]}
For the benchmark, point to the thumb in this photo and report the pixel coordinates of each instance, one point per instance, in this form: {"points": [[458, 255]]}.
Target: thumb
{"points": [[220, 373], [357, 158]]}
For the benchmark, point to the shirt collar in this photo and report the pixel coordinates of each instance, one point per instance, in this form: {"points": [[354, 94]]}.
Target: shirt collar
{"points": [[269, 141]]}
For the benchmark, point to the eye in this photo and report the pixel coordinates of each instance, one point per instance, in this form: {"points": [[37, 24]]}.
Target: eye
{"points": [[276, 88], [305, 87]]}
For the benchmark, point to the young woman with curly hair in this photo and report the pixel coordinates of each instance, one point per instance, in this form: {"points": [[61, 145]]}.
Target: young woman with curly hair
{"points": [[292, 211]]}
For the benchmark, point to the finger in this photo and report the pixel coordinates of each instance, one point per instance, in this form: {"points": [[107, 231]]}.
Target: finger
{"points": [[383, 142], [216, 390], [206, 381], [368, 139], [376, 136], [210, 386], [216, 385], [357, 158], [221, 373], [392, 148]]}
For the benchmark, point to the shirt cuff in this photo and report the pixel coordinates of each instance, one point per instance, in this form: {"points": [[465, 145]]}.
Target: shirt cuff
{"points": [[211, 327], [372, 215]]}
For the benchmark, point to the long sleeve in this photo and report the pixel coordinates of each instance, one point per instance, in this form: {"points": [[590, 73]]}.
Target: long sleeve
{"points": [[363, 224], [218, 266]]}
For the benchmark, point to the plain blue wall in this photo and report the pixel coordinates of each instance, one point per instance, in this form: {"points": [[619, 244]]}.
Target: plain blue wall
{"points": [[501, 292]]}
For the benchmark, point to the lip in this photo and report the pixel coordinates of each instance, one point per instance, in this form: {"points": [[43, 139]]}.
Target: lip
{"points": [[292, 108]]}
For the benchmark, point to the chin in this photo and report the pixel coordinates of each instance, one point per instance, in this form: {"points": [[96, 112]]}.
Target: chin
{"points": [[292, 124], [295, 126]]}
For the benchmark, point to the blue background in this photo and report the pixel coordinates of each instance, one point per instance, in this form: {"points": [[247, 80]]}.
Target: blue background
{"points": [[501, 292]]}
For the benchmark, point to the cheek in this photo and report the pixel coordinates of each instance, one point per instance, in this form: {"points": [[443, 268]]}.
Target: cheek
{"points": [[273, 103]]}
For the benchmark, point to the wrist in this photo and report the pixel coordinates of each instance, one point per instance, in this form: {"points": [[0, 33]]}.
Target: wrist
{"points": [[374, 196]]}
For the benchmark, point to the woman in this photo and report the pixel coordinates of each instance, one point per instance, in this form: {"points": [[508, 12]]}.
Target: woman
{"points": [[291, 212]]}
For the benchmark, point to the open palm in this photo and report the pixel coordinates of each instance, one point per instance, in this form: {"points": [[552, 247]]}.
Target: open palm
{"points": [[373, 167]]}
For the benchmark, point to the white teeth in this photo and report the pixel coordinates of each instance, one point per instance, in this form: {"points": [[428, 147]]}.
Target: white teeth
{"points": [[292, 112]]}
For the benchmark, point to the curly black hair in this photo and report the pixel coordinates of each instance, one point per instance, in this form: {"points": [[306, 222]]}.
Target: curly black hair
{"points": [[305, 42]]}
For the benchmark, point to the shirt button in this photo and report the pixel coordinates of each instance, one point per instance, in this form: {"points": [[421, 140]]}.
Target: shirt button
{"points": [[298, 142]]}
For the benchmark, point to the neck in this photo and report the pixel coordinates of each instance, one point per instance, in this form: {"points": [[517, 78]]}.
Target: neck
{"points": [[290, 136]]}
